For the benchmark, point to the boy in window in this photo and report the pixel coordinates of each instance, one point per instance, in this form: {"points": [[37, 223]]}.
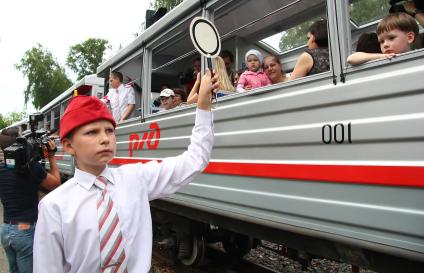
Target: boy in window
{"points": [[396, 33]]}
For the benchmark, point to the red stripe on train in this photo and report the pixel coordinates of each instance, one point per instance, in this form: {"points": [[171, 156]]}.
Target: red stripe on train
{"points": [[382, 175]]}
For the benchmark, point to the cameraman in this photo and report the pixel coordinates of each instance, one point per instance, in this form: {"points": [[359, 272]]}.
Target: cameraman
{"points": [[19, 196]]}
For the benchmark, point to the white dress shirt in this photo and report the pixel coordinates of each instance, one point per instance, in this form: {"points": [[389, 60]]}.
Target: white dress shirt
{"points": [[119, 99], [67, 235]]}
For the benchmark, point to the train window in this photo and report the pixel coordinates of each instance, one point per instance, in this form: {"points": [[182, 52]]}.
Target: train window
{"points": [[364, 12], [273, 27], [365, 15], [174, 60], [47, 120], [56, 117], [290, 38], [131, 71]]}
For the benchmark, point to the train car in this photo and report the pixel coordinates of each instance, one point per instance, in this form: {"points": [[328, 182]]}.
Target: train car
{"points": [[330, 165]]}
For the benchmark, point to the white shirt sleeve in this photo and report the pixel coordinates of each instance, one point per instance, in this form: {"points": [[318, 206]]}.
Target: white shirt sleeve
{"points": [[172, 173], [131, 96], [48, 242]]}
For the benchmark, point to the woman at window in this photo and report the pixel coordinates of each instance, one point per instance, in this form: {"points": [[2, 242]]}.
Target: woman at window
{"points": [[274, 69], [316, 58]]}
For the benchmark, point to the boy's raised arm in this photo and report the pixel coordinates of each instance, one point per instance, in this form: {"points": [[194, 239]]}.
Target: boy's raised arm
{"points": [[172, 173], [207, 85]]}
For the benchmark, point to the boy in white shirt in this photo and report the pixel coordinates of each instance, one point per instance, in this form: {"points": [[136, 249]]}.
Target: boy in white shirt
{"points": [[99, 221]]}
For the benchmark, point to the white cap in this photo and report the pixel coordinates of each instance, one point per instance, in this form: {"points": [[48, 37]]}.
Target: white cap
{"points": [[254, 52], [167, 93]]}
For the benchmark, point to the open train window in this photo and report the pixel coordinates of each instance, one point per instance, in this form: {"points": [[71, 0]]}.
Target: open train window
{"points": [[131, 69], [273, 27], [364, 12], [173, 60], [47, 120], [291, 38], [56, 117], [365, 15]]}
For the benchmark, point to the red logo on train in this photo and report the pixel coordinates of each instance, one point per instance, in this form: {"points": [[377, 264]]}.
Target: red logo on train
{"points": [[151, 138]]}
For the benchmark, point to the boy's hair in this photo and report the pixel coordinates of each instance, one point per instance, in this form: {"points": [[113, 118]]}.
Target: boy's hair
{"points": [[117, 75], [319, 30], [398, 20]]}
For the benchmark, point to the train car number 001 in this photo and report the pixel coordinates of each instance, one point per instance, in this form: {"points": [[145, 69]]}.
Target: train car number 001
{"points": [[338, 133]]}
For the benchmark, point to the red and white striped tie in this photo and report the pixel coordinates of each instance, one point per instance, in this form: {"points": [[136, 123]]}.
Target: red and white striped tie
{"points": [[112, 253]]}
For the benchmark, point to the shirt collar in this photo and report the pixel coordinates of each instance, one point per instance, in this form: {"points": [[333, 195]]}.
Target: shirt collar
{"points": [[86, 180], [120, 87]]}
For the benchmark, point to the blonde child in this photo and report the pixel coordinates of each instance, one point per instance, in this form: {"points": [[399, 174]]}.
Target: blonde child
{"points": [[396, 33], [99, 220], [253, 77], [222, 76]]}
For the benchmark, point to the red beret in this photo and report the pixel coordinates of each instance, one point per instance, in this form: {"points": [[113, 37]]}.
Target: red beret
{"points": [[83, 110]]}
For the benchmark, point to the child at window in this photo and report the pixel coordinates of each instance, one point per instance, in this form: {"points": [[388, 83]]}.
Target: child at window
{"points": [[253, 77], [396, 33]]}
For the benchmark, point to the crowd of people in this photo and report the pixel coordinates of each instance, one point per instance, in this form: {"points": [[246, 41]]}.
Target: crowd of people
{"points": [[395, 34], [259, 71]]}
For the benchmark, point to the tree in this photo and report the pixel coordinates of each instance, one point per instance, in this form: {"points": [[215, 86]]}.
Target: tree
{"points": [[3, 123], [84, 58], [361, 12], [46, 78], [11, 118], [168, 4], [295, 36]]}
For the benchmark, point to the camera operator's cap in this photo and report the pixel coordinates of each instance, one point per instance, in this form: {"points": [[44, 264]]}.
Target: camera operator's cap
{"points": [[83, 110], [167, 93]]}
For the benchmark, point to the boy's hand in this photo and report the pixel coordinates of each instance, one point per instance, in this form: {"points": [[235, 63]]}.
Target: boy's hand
{"points": [[390, 55], [207, 86]]}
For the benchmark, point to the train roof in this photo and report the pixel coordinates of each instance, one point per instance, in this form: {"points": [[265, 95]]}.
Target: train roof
{"points": [[179, 11]]}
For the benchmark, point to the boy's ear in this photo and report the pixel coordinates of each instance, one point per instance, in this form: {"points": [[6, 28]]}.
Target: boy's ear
{"points": [[67, 146], [410, 36]]}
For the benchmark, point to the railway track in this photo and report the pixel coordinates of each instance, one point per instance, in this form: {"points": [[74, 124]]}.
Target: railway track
{"points": [[216, 261]]}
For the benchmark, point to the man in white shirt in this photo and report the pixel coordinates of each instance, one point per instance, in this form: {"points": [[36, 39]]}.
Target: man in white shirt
{"points": [[121, 97], [76, 231]]}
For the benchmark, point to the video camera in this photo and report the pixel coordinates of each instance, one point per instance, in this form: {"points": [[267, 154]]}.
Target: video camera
{"points": [[28, 148]]}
